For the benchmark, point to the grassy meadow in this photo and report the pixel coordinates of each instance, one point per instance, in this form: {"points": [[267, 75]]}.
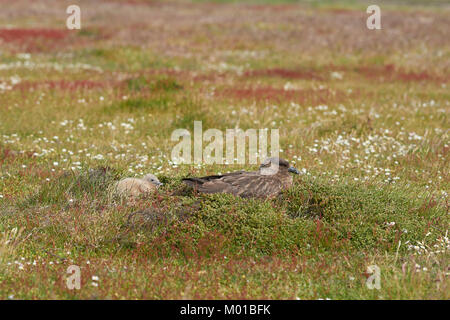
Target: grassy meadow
{"points": [[363, 114]]}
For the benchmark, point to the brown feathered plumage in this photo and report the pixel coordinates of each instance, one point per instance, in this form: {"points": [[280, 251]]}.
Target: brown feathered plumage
{"points": [[271, 178], [134, 187]]}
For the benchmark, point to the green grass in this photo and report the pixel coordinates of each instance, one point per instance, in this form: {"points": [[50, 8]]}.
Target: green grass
{"points": [[363, 115]]}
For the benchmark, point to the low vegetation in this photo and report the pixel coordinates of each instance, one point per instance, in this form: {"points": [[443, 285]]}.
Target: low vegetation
{"points": [[362, 114]]}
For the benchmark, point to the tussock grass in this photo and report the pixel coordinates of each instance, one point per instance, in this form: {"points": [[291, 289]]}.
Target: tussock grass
{"points": [[363, 115]]}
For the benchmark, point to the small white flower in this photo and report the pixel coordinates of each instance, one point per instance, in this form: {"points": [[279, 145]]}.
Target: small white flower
{"points": [[94, 278], [336, 75]]}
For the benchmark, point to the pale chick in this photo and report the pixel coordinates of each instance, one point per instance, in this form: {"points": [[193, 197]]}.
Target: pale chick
{"points": [[135, 187]]}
